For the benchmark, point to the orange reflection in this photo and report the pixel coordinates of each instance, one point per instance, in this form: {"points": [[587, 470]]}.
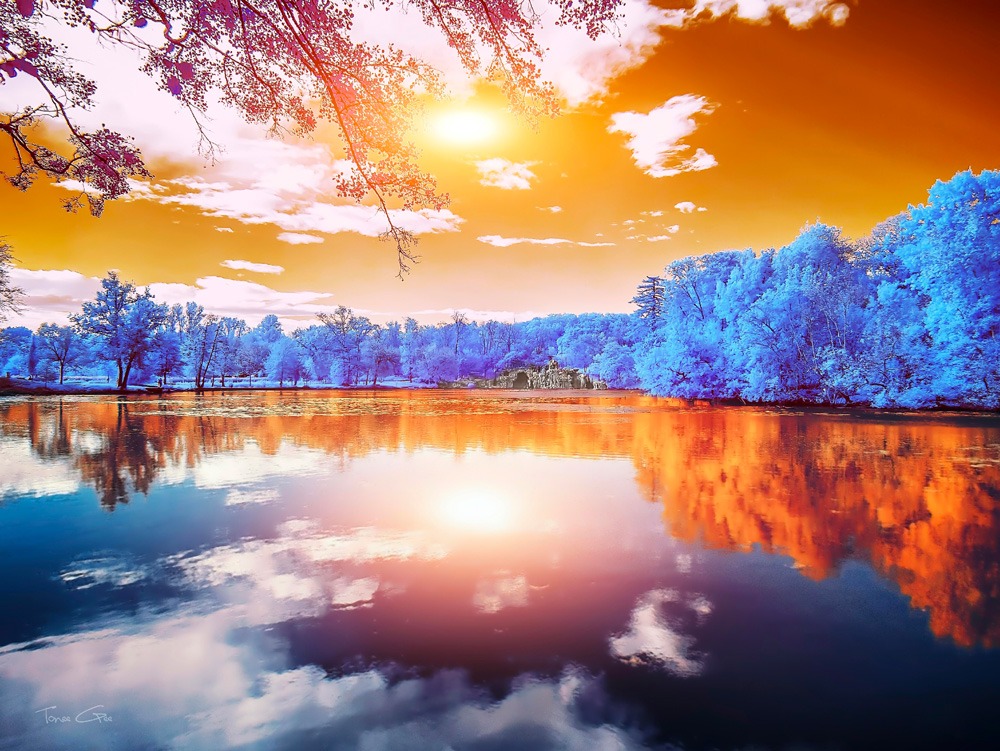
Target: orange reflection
{"points": [[914, 495]]}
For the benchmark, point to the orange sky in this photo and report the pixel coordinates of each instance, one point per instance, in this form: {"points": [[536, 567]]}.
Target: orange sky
{"points": [[846, 124]]}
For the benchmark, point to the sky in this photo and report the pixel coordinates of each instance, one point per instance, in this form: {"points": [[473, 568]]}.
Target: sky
{"points": [[695, 127]]}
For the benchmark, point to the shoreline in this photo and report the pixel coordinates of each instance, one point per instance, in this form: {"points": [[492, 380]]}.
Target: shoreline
{"points": [[22, 388]]}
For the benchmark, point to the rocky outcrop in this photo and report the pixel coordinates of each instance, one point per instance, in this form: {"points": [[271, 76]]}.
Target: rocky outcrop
{"points": [[550, 376]]}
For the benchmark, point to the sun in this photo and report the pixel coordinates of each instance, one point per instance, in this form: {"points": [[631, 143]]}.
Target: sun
{"points": [[477, 510], [464, 127]]}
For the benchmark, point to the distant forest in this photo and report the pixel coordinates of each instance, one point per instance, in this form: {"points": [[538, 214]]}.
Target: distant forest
{"points": [[908, 316]]}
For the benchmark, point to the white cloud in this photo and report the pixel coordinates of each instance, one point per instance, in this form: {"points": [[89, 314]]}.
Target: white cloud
{"points": [[153, 675], [656, 139], [223, 229], [652, 213], [50, 295], [687, 207], [496, 593], [498, 241], [240, 497], [242, 299], [581, 69], [299, 238], [654, 640], [25, 474], [798, 13], [673, 229], [504, 174], [550, 209], [259, 268], [293, 212], [657, 238]]}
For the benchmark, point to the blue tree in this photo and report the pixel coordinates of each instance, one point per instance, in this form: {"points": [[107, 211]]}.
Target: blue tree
{"points": [[123, 321]]}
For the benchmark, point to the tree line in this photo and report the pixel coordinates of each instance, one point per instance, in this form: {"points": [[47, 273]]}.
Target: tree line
{"points": [[908, 316], [124, 335]]}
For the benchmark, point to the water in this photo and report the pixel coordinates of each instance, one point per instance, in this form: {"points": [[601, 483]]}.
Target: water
{"points": [[484, 570]]}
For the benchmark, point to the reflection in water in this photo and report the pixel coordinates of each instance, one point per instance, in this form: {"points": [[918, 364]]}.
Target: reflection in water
{"points": [[653, 638], [915, 496], [424, 570]]}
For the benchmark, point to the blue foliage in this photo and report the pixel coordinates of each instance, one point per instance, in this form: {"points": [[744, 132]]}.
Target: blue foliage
{"points": [[908, 316]]}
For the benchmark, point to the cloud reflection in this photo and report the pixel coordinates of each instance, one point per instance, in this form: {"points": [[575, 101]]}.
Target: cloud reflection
{"points": [[654, 638], [191, 681], [494, 594]]}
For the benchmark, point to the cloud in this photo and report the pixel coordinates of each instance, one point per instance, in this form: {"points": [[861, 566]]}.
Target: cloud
{"points": [[656, 139], [295, 210], [223, 229], [653, 639], [799, 13], [242, 299], [259, 268], [657, 238], [685, 207], [673, 229], [50, 295], [504, 174], [498, 241], [496, 593], [25, 474], [550, 209], [652, 213], [581, 69], [299, 238]]}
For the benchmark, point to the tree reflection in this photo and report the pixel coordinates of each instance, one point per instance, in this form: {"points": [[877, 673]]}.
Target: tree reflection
{"points": [[127, 452], [914, 496]]}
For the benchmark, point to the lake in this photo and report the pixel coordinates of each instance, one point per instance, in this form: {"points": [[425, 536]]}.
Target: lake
{"points": [[488, 570]]}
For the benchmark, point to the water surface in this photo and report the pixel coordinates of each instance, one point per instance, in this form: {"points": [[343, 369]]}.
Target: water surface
{"points": [[486, 570]]}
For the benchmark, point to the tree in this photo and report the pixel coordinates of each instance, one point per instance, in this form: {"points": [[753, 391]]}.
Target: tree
{"points": [[285, 362], [61, 345], [252, 358], [288, 64], [230, 344], [409, 345], [458, 321], [124, 321], [349, 332], [14, 345], [8, 292], [949, 250], [200, 341], [649, 299], [165, 358]]}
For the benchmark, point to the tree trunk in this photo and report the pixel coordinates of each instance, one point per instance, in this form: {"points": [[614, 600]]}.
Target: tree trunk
{"points": [[62, 367], [123, 386]]}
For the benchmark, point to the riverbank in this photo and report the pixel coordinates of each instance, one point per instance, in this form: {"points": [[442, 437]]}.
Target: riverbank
{"points": [[21, 387]]}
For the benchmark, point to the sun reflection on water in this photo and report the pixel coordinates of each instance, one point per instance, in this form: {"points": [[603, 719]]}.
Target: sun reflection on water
{"points": [[481, 510]]}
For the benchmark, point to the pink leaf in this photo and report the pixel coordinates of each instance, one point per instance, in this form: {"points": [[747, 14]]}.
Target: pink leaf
{"points": [[174, 86], [26, 7]]}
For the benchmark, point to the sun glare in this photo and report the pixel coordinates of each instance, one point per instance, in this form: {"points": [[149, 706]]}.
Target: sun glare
{"points": [[477, 510], [464, 127]]}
